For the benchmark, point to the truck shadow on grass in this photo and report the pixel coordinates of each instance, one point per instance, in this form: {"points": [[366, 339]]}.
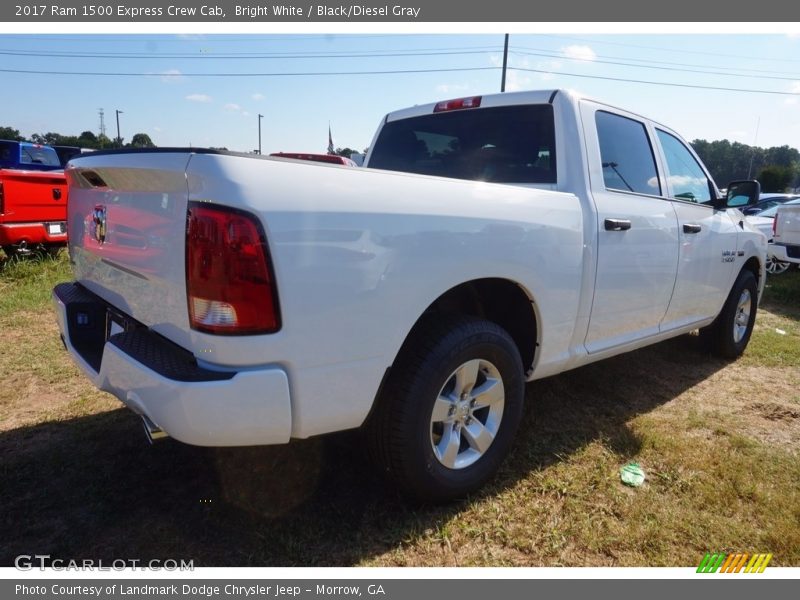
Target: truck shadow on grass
{"points": [[92, 488]]}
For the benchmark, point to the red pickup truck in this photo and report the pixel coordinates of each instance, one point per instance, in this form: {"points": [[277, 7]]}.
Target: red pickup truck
{"points": [[33, 198]]}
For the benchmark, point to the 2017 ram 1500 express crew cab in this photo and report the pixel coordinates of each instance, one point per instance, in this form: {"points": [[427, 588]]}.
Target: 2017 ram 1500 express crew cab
{"points": [[235, 300]]}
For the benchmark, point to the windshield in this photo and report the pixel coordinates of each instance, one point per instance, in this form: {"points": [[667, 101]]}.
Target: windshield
{"points": [[508, 144]]}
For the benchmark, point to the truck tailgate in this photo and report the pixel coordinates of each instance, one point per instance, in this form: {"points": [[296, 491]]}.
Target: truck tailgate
{"points": [[126, 225], [787, 224], [33, 196]]}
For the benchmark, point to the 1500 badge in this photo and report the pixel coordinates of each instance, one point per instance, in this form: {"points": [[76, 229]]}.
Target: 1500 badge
{"points": [[728, 256]]}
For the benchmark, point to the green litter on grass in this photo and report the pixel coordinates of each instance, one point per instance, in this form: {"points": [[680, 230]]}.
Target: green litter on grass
{"points": [[632, 474]]}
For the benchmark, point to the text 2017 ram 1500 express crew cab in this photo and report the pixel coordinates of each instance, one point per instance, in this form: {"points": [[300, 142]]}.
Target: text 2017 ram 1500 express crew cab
{"points": [[236, 299]]}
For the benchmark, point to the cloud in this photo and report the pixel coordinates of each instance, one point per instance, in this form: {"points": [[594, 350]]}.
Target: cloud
{"points": [[794, 89], [531, 74], [451, 88], [232, 107], [245, 114], [172, 76], [205, 98], [577, 52], [157, 129], [516, 81], [258, 96]]}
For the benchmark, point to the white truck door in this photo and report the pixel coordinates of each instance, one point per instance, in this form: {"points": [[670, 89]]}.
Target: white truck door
{"points": [[637, 237], [708, 237]]}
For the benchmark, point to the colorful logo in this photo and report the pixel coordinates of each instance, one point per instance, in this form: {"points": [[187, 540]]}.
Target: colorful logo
{"points": [[734, 563]]}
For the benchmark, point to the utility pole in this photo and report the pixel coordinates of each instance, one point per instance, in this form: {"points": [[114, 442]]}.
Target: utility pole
{"points": [[260, 116], [119, 138], [755, 141], [505, 64], [102, 126]]}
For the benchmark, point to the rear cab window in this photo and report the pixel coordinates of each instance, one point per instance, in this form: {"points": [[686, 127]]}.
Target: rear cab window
{"points": [[41, 156], [506, 144]]}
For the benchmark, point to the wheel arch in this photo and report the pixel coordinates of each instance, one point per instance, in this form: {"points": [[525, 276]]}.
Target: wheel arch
{"points": [[501, 301], [758, 269]]}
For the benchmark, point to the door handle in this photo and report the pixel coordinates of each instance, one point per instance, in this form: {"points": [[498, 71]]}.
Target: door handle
{"points": [[617, 224], [691, 228]]}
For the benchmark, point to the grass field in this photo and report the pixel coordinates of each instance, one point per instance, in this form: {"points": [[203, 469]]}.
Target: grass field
{"points": [[719, 442]]}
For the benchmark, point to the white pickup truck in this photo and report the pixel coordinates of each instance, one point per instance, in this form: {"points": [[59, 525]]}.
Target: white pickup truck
{"points": [[785, 246], [237, 299]]}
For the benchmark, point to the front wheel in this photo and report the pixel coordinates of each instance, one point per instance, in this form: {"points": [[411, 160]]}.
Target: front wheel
{"points": [[451, 407], [730, 332]]}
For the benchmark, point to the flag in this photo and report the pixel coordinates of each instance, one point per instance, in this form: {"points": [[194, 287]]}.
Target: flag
{"points": [[330, 140]]}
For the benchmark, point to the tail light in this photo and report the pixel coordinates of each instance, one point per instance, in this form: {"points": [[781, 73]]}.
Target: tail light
{"points": [[774, 224], [458, 104], [229, 280]]}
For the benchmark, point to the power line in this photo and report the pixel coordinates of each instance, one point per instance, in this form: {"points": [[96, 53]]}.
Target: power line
{"points": [[662, 49], [664, 83], [289, 74], [554, 54], [400, 71], [658, 67], [244, 56], [222, 38]]}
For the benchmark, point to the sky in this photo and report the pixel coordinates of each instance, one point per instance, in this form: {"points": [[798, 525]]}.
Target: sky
{"points": [[196, 89]]}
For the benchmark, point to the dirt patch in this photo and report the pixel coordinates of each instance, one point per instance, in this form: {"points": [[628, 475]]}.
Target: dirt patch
{"points": [[773, 411]]}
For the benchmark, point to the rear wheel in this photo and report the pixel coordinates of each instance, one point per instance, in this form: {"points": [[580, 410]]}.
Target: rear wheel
{"points": [[451, 407], [730, 332]]}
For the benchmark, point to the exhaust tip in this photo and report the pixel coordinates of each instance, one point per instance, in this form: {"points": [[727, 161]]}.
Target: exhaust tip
{"points": [[153, 432]]}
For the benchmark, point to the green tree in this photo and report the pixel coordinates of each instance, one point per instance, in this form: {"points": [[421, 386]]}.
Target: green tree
{"points": [[346, 152], [775, 178], [103, 141], [9, 133], [88, 139], [141, 140], [731, 161], [48, 138]]}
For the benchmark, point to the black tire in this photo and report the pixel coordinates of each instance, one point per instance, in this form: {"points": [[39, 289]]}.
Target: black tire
{"points": [[721, 336], [53, 251], [403, 429]]}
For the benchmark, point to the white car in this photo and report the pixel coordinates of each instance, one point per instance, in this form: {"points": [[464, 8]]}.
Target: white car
{"points": [[765, 223], [785, 244]]}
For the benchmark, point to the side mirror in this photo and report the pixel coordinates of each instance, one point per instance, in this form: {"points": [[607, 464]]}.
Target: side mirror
{"points": [[742, 193]]}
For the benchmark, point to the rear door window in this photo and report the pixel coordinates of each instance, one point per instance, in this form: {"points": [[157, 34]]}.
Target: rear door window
{"points": [[628, 161], [508, 144]]}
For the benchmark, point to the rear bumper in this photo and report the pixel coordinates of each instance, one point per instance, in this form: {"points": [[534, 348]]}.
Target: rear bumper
{"points": [[785, 253], [163, 382], [12, 234]]}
